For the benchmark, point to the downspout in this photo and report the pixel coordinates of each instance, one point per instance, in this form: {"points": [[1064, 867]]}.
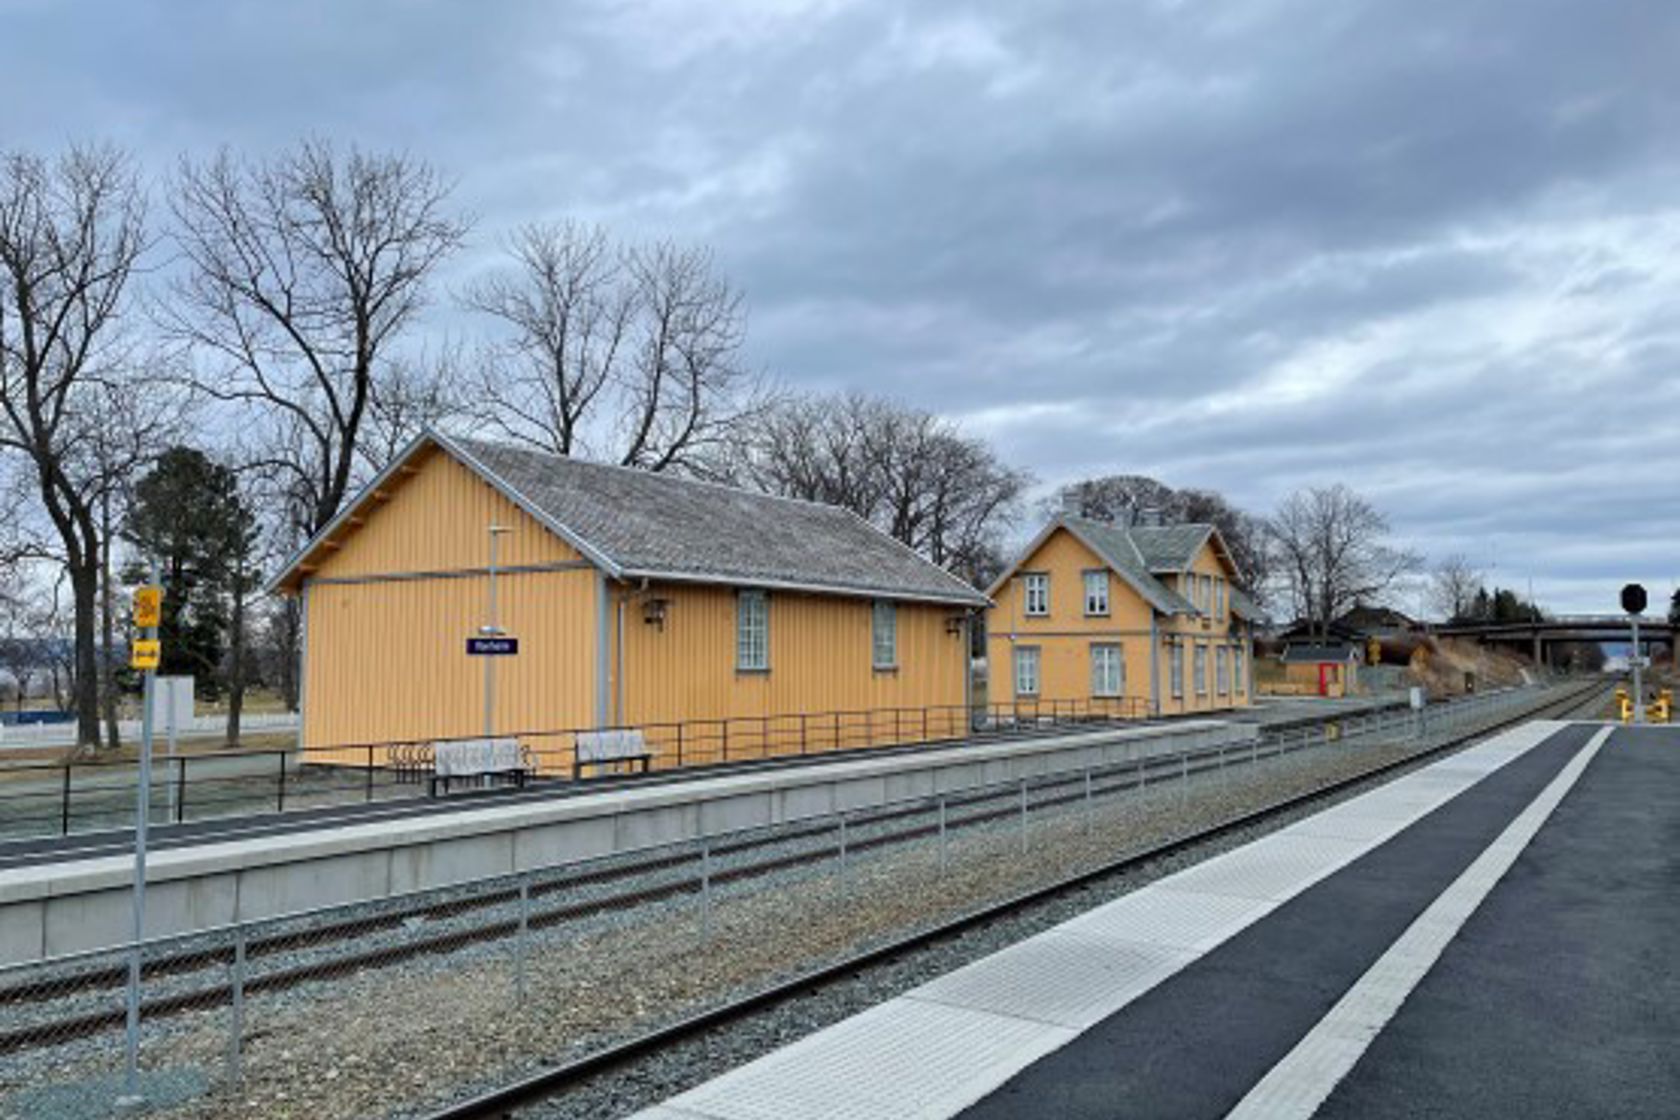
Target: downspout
{"points": [[968, 669], [1154, 662], [603, 638], [618, 674]]}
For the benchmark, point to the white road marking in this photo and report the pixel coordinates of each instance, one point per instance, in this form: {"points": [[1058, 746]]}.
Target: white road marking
{"points": [[1304, 1079]]}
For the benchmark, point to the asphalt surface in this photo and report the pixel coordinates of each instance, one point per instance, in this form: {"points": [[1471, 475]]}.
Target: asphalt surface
{"points": [[1560, 997], [1195, 1045]]}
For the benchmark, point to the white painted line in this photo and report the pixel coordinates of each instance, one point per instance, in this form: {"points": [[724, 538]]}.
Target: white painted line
{"points": [[939, 1048], [1301, 1082]]}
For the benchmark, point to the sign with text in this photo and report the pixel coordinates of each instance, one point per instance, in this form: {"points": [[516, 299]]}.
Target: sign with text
{"points": [[148, 606], [492, 647], [145, 654]]}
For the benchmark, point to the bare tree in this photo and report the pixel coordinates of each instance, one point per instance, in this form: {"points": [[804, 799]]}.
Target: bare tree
{"points": [[71, 231], [910, 472], [1125, 498], [621, 352], [1453, 585], [1332, 553], [302, 272]]}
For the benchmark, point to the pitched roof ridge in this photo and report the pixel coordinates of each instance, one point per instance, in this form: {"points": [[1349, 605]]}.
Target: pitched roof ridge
{"points": [[641, 472]]}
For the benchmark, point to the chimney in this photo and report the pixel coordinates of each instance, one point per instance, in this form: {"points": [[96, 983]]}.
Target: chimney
{"points": [[1149, 517], [1073, 503]]}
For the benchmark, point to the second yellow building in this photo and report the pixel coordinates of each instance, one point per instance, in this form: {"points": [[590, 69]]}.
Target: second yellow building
{"points": [[1135, 620]]}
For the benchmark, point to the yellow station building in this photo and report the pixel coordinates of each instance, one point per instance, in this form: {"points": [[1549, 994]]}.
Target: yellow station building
{"points": [[715, 621], [1132, 620]]}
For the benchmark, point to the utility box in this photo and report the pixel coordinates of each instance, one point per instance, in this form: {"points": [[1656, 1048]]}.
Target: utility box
{"points": [[172, 696]]}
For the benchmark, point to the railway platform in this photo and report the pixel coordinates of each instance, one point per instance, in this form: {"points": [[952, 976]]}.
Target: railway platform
{"points": [[1489, 935]]}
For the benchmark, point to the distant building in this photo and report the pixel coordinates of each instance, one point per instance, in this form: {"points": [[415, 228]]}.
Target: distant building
{"points": [[1136, 620], [636, 599], [1322, 668]]}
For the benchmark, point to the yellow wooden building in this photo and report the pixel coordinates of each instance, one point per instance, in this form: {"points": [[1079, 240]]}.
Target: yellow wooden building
{"points": [[1135, 620], [717, 622]]}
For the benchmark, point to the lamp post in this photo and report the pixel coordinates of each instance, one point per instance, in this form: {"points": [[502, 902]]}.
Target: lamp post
{"points": [[491, 629]]}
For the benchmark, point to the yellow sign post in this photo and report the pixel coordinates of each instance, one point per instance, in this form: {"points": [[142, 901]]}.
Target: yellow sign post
{"points": [[148, 607], [145, 654]]}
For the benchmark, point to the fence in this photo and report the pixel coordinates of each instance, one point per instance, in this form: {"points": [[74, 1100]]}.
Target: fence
{"points": [[62, 732], [424, 995], [64, 797]]}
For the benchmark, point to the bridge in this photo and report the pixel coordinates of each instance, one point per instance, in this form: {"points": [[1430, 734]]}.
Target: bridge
{"points": [[1544, 633]]}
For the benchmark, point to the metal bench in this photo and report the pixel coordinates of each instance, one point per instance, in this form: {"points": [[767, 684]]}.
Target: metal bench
{"points": [[482, 760], [611, 748]]}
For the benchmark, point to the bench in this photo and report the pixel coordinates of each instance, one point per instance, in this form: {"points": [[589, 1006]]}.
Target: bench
{"points": [[611, 748], [479, 759]]}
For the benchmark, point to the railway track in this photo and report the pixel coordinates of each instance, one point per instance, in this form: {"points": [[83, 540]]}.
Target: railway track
{"points": [[501, 1102], [963, 812]]}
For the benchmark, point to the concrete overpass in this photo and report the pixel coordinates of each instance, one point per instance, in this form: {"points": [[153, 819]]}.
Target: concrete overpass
{"points": [[1539, 637]]}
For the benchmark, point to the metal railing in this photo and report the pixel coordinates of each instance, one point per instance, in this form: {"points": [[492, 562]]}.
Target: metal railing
{"points": [[48, 798], [493, 947]]}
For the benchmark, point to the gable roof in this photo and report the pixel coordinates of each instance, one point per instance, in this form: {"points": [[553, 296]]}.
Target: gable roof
{"points": [[1139, 553], [633, 524], [1318, 653]]}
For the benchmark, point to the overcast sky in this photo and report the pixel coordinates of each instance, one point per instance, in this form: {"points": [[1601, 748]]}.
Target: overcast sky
{"points": [[1426, 248]]}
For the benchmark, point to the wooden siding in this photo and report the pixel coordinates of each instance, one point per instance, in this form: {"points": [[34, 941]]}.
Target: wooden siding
{"points": [[1211, 633], [820, 662], [1065, 636], [389, 610], [387, 660], [436, 520]]}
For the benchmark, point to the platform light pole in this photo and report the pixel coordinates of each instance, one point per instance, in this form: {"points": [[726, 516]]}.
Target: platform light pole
{"points": [[491, 629]]}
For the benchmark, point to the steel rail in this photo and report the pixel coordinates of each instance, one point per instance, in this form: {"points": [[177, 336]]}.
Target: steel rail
{"points": [[1160, 769], [499, 1102]]}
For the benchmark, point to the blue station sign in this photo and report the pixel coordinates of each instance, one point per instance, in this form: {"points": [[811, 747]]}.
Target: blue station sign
{"points": [[492, 647]]}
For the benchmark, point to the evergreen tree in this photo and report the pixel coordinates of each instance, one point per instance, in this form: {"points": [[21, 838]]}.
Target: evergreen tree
{"points": [[189, 518]]}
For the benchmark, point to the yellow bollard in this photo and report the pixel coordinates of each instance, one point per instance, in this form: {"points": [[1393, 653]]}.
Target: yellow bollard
{"points": [[1658, 711], [1624, 704]]}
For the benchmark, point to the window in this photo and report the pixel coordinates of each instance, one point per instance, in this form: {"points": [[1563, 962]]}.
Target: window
{"points": [[1096, 593], [1218, 598], [1175, 667], [1222, 670], [1108, 670], [1207, 594], [883, 635], [752, 632], [1038, 594], [1237, 669], [1201, 670], [1026, 670]]}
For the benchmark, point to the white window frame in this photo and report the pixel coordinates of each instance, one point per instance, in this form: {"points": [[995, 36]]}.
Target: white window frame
{"points": [[1199, 659], [1175, 669], [1109, 680], [1222, 670], [752, 631], [883, 634], [1022, 656], [1035, 586], [1097, 603]]}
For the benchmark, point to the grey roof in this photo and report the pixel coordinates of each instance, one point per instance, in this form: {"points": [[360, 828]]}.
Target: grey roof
{"points": [[1318, 652], [1244, 606], [1120, 550], [1169, 548], [639, 525]]}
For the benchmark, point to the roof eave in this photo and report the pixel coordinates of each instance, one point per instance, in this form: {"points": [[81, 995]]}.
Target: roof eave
{"points": [[717, 579], [281, 581]]}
